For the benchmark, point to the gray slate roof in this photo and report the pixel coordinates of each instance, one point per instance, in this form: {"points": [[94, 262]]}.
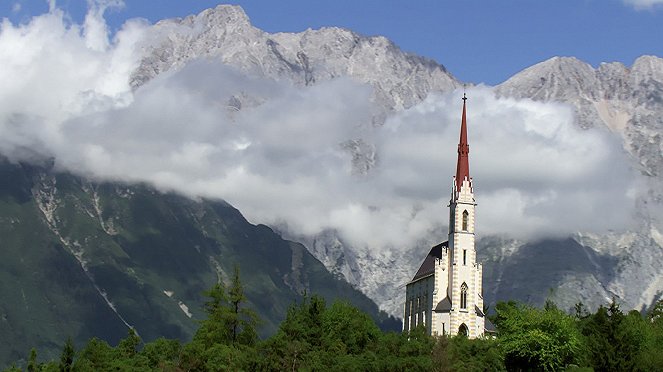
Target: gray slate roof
{"points": [[428, 266], [443, 306]]}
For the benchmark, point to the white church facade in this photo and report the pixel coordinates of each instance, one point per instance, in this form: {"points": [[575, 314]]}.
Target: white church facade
{"points": [[445, 294]]}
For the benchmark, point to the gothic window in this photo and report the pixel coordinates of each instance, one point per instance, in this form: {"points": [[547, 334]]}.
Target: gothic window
{"points": [[413, 315], [465, 215], [464, 256], [462, 330], [463, 296]]}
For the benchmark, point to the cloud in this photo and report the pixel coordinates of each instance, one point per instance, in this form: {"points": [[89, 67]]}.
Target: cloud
{"points": [[283, 156], [643, 4], [535, 173]]}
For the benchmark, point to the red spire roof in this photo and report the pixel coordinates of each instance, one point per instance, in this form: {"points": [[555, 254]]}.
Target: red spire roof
{"points": [[463, 167]]}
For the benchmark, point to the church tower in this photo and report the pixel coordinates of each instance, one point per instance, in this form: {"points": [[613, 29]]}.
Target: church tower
{"points": [[445, 294]]}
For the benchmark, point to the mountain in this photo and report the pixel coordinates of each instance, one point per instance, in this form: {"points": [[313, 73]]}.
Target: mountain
{"points": [[84, 259], [629, 103], [626, 101], [88, 257], [225, 34], [399, 80]]}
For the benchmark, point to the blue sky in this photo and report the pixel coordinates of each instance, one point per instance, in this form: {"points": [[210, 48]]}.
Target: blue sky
{"points": [[478, 41]]}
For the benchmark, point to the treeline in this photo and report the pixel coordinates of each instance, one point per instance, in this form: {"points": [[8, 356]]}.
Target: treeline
{"points": [[316, 337]]}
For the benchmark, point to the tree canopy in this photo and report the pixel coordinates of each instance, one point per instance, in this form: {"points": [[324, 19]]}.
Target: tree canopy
{"points": [[315, 336]]}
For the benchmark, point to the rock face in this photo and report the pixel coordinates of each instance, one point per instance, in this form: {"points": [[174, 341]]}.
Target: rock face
{"points": [[399, 80], [225, 34], [626, 101], [84, 259]]}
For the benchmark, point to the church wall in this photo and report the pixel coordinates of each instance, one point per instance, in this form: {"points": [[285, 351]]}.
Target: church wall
{"points": [[464, 267], [441, 324], [440, 292], [419, 303]]}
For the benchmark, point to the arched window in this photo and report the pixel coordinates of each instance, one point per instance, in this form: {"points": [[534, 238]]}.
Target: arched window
{"points": [[463, 296], [465, 215], [463, 331]]}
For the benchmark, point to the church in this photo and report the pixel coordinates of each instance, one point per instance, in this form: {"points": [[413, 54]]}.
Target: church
{"points": [[445, 294]]}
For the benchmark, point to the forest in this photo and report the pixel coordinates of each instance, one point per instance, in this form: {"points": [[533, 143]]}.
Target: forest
{"points": [[316, 336]]}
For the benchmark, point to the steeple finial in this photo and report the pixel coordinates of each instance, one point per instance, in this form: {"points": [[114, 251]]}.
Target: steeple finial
{"points": [[463, 166]]}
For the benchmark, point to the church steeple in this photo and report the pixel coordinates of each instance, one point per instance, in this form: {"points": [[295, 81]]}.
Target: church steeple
{"points": [[463, 166], [445, 295]]}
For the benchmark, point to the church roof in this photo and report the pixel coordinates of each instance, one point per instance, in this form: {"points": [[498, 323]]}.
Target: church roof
{"points": [[488, 326], [428, 266], [478, 311], [443, 306], [463, 166]]}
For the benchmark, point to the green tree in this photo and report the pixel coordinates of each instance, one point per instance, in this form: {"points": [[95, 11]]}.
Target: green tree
{"points": [[347, 328], [542, 339], [651, 355], [228, 321], [407, 351], [298, 335], [32, 361], [162, 353], [67, 356], [128, 346], [96, 355], [340, 337], [613, 340], [241, 321], [463, 354], [656, 313], [229, 331]]}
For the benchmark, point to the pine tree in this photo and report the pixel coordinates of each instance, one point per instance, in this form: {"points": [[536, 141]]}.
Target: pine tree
{"points": [[128, 346], [242, 321], [67, 356], [32, 362], [228, 321]]}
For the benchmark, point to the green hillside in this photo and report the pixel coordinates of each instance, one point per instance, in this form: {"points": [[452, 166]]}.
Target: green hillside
{"points": [[85, 259]]}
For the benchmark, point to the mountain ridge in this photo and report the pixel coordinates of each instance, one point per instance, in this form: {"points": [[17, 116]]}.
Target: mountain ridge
{"points": [[626, 101], [85, 259], [604, 97]]}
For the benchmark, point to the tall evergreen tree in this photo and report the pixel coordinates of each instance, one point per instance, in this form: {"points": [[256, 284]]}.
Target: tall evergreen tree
{"points": [[241, 321], [67, 356], [32, 361]]}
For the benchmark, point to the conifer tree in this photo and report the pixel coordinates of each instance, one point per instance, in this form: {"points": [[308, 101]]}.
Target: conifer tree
{"points": [[32, 362], [67, 356], [242, 321]]}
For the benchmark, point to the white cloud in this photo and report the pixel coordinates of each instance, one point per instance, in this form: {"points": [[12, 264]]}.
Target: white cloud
{"points": [[16, 7], [535, 172], [643, 4], [65, 92]]}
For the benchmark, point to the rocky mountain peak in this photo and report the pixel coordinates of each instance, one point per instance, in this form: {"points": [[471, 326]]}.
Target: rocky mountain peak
{"points": [[626, 101], [227, 16], [225, 33], [648, 67], [551, 79], [568, 79]]}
